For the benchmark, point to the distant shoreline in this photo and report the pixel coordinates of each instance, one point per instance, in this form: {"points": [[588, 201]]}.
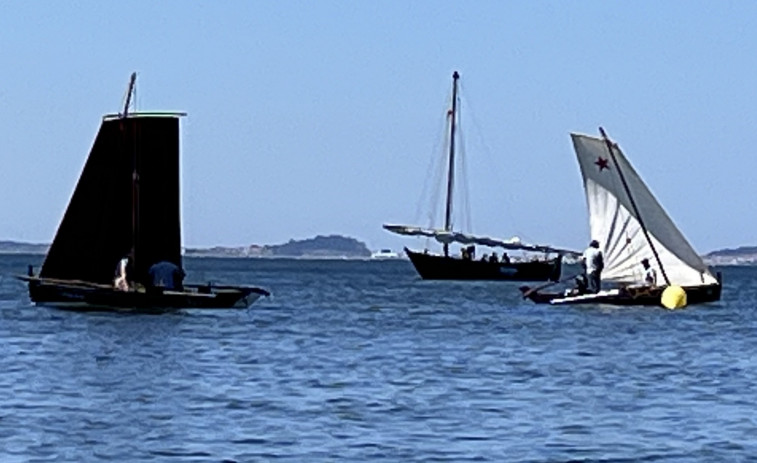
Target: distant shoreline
{"points": [[337, 247], [319, 247]]}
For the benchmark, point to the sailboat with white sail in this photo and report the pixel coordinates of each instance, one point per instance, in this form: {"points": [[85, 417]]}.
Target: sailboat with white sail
{"points": [[631, 226], [466, 266]]}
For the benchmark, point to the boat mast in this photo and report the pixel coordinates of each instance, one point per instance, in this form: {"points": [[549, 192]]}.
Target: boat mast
{"points": [[129, 92], [134, 174], [633, 204], [451, 170]]}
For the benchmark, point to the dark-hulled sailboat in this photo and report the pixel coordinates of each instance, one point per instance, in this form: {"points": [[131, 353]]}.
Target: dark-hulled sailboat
{"points": [[467, 267], [631, 226], [126, 202]]}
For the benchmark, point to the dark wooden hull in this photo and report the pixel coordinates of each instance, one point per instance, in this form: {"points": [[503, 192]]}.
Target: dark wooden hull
{"points": [[78, 295], [627, 296], [437, 267]]}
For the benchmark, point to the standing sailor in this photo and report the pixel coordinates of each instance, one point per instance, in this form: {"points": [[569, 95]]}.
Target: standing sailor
{"points": [[650, 275], [123, 277], [594, 263]]}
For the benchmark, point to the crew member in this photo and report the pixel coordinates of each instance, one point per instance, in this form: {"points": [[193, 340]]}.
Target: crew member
{"points": [[650, 275], [594, 264]]}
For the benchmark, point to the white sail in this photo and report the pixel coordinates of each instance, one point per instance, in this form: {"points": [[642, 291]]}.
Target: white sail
{"points": [[615, 225], [448, 237]]}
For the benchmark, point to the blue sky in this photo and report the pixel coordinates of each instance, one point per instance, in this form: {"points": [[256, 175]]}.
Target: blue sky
{"points": [[320, 117]]}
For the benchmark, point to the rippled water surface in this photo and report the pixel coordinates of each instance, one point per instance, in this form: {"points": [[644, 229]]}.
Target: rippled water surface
{"points": [[361, 361]]}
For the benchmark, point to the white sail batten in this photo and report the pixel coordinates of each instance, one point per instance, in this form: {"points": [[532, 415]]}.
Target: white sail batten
{"points": [[448, 237], [614, 224]]}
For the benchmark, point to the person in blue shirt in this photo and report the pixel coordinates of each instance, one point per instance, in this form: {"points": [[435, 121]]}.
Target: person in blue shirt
{"points": [[165, 275]]}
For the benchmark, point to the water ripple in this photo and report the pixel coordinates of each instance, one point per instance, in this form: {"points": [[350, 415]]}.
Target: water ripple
{"points": [[362, 361]]}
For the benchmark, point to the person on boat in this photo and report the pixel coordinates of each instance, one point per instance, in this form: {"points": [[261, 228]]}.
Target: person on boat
{"points": [[484, 257], [579, 288], [594, 263], [123, 280], [505, 258], [650, 275], [494, 258], [465, 254], [165, 275]]}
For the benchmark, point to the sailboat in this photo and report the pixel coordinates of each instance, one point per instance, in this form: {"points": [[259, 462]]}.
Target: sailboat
{"points": [[467, 267], [126, 202], [631, 226]]}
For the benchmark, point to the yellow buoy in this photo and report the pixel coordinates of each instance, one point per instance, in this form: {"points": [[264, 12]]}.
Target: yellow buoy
{"points": [[673, 297]]}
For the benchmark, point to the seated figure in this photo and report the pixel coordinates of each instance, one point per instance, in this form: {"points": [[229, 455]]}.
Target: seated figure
{"points": [[165, 275]]}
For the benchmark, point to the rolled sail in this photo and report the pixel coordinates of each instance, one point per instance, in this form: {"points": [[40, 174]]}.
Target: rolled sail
{"points": [[449, 237]]}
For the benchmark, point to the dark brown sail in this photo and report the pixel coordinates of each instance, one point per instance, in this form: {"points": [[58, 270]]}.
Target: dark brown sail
{"points": [[127, 203], [113, 211]]}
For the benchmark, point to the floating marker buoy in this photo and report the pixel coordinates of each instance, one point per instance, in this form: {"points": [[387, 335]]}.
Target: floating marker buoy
{"points": [[673, 297]]}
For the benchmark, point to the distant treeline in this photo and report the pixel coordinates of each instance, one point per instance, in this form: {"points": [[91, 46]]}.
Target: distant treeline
{"points": [[735, 252], [320, 246], [331, 246], [14, 247]]}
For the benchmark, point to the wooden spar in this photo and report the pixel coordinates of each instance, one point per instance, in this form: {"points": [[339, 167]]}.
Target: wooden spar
{"points": [[529, 291], [134, 175], [129, 92], [633, 204], [451, 170]]}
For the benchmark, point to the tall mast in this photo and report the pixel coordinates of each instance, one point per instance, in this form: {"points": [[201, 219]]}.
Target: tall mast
{"points": [[451, 169], [131, 137], [633, 204]]}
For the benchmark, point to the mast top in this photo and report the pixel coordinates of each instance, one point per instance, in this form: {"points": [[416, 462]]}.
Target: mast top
{"points": [[129, 92]]}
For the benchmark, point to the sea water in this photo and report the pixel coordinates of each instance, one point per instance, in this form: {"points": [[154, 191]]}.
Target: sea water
{"points": [[352, 361]]}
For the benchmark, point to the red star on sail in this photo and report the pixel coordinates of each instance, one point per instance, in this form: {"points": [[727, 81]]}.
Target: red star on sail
{"points": [[602, 163]]}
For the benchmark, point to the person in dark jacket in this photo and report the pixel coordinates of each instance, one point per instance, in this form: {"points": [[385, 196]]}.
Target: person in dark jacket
{"points": [[165, 275]]}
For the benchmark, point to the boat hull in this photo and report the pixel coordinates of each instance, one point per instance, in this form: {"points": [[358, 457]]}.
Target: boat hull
{"points": [[437, 267], [77, 295], [639, 296]]}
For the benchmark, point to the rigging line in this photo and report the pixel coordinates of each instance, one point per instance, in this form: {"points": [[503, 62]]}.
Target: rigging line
{"points": [[464, 184], [489, 159], [610, 147], [439, 178], [425, 203], [438, 184]]}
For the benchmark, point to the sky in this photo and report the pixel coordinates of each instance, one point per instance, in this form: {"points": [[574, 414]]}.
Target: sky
{"points": [[325, 117]]}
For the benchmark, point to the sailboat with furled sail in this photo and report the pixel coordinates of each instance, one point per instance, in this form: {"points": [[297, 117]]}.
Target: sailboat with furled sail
{"points": [[633, 231], [127, 203], [466, 266]]}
